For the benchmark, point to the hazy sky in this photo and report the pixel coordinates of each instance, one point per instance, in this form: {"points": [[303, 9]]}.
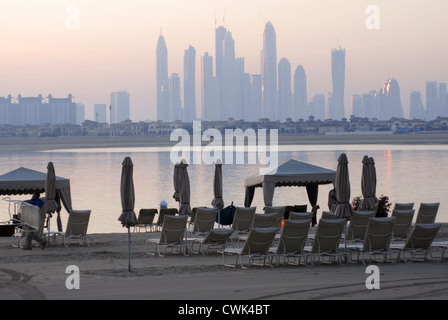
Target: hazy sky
{"points": [[114, 47]]}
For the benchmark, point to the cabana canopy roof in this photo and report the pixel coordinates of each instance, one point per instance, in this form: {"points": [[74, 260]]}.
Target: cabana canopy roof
{"points": [[27, 181], [293, 173]]}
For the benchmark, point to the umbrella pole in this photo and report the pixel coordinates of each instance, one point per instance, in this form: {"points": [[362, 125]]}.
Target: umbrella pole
{"points": [[129, 250]]}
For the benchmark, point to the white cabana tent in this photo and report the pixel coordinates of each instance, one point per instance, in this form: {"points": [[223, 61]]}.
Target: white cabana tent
{"points": [[26, 181], [291, 173]]}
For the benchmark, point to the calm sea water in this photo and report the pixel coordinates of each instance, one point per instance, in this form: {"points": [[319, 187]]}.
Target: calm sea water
{"points": [[405, 173]]}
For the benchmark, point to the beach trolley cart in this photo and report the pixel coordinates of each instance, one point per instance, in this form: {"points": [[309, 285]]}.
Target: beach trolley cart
{"points": [[225, 215]]}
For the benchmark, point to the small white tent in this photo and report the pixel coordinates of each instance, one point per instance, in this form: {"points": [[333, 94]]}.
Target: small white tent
{"points": [[27, 181], [291, 173]]}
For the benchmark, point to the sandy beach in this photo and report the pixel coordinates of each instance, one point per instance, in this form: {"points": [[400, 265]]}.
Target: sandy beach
{"points": [[58, 143], [41, 274]]}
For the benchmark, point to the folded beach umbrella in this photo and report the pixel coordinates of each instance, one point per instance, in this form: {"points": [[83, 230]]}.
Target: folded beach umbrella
{"points": [[51, 205], [176, 195], [368, 184], [372, 173], [218, 201], [184, 189], [127, 217], [342, 189]]}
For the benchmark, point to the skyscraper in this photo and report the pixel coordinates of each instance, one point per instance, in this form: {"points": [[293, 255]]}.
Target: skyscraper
{"points": [[416, 110], [120, 104], [255, 98], [284, 90], [442, 100], [431, 100], [300, 94], [190, 84], [336, 109], [80, 113], [175, 100], [389, 100], [269, 73], [436, 100], [220, 36], [356, 106], [228, 83], [162, 84], [208, 90], [317, 107], [99, 112], [369, 105]]}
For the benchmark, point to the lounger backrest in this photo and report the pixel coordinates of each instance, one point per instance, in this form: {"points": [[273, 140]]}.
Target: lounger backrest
{"points": [[205, 220], [271, 209], [328, 235], [300, 215], [163, 213], [294, 236], [259, 240], [242, 221], [427, 213], [173, 229], [77, 223], [216, 236], [267, 220], [146, 216], [328, 215], [404, 206], [379, 233], [358, 225], [422, 236], [403, 222]]}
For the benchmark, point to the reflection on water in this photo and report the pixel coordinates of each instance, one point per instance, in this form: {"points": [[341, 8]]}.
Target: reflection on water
{"points": [[405, 174]]}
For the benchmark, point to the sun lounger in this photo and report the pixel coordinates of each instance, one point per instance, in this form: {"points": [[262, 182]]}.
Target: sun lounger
{"points": [[292, 241], [146, 220], [256, 248], [77, 224], [326, 240], [404, 206], [402, 225], [300, 215], [358, 226], [420, 242], [377, 239], [162, 214], [427, 213], [242, 221], [204, 221], [172, 235], [215, 239], [264, 220]]}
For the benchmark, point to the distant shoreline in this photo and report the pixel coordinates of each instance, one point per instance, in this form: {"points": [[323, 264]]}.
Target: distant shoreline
{"points": [[58, 143]]}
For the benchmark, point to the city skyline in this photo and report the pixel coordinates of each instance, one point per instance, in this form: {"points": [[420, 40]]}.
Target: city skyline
{"points": [[43, 55]]}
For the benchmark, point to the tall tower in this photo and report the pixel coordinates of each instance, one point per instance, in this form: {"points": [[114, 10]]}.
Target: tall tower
{"points": [[228, 106], [269, 73], [417, 110], [389, 101], [175, 100], [207, 86], [336, 108], [162, 82], [220, 36], [300, 95], [284, 90], [190, 84], [120, 102]]}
